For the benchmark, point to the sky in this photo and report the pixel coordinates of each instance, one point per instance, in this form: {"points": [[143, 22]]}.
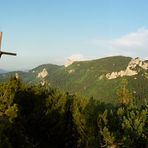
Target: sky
{"points": [[51, 31]]}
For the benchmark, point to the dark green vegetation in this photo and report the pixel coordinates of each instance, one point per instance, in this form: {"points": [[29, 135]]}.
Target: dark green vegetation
{"points": [[36, 116], [87, 78]]}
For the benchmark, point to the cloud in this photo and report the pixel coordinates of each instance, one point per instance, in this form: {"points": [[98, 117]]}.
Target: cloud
{"points": [[138, 40], [132, 44]]}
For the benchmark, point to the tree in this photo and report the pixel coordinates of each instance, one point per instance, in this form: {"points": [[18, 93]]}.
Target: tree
{"points": [[8, 109], [108, 137], [124, 95]]}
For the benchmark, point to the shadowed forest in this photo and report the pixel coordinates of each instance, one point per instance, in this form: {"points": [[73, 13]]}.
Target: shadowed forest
{"points": [[36, 116]]}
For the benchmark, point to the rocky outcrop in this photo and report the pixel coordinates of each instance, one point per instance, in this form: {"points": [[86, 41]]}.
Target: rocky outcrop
{"points": [[42, 74], [71, 71], [17, 75], [70, 60], [137, 62], [130, 69]]}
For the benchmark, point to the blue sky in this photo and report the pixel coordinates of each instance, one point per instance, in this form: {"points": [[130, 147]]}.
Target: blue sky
{"points": [[50, 31]]}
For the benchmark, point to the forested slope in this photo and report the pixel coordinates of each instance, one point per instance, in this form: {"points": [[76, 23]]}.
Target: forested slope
{"points": [[98, 78], [36, 116]]}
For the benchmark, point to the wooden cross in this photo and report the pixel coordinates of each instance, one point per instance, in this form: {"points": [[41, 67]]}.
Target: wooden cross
{"points": [[2, 52]]}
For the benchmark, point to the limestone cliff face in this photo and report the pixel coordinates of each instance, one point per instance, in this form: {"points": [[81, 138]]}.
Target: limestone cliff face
{"points": [[71, 71], [17, 75], [137, 62], [42, 74], [130, 69], [68, 62]]}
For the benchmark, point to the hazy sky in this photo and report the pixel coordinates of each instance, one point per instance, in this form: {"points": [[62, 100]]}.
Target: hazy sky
{"points": [[50, 31]]}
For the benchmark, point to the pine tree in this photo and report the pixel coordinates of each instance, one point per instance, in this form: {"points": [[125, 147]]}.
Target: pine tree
{"points": [[124, 95]]}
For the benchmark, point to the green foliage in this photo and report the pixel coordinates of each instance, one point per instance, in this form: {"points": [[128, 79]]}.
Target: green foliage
{"points": [[133, 123], [7, 96], [108, 136], [88, 78], [85, 78], [124, 96], [36, 116]]}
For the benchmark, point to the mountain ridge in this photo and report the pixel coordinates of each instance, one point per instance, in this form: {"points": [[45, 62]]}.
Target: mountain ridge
{"points": [[99, 78]]}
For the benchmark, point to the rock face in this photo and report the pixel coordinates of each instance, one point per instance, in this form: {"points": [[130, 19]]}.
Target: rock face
{"points": [[68, 62], [17, 75], [130, 69], [42, 74], [72, 59], [71, 71]]}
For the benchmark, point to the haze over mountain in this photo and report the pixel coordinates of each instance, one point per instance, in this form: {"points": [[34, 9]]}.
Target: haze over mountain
{"points": [[3, 71], [99, 78]]}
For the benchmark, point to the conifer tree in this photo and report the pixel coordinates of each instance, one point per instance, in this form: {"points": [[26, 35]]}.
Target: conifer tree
{"points": [[124, 95]]}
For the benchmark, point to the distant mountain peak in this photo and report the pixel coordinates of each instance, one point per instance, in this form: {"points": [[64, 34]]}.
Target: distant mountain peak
{"points": [[70, 60]]}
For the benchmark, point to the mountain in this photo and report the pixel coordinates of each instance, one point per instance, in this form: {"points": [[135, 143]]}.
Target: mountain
{"points": [[99, 78]]}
